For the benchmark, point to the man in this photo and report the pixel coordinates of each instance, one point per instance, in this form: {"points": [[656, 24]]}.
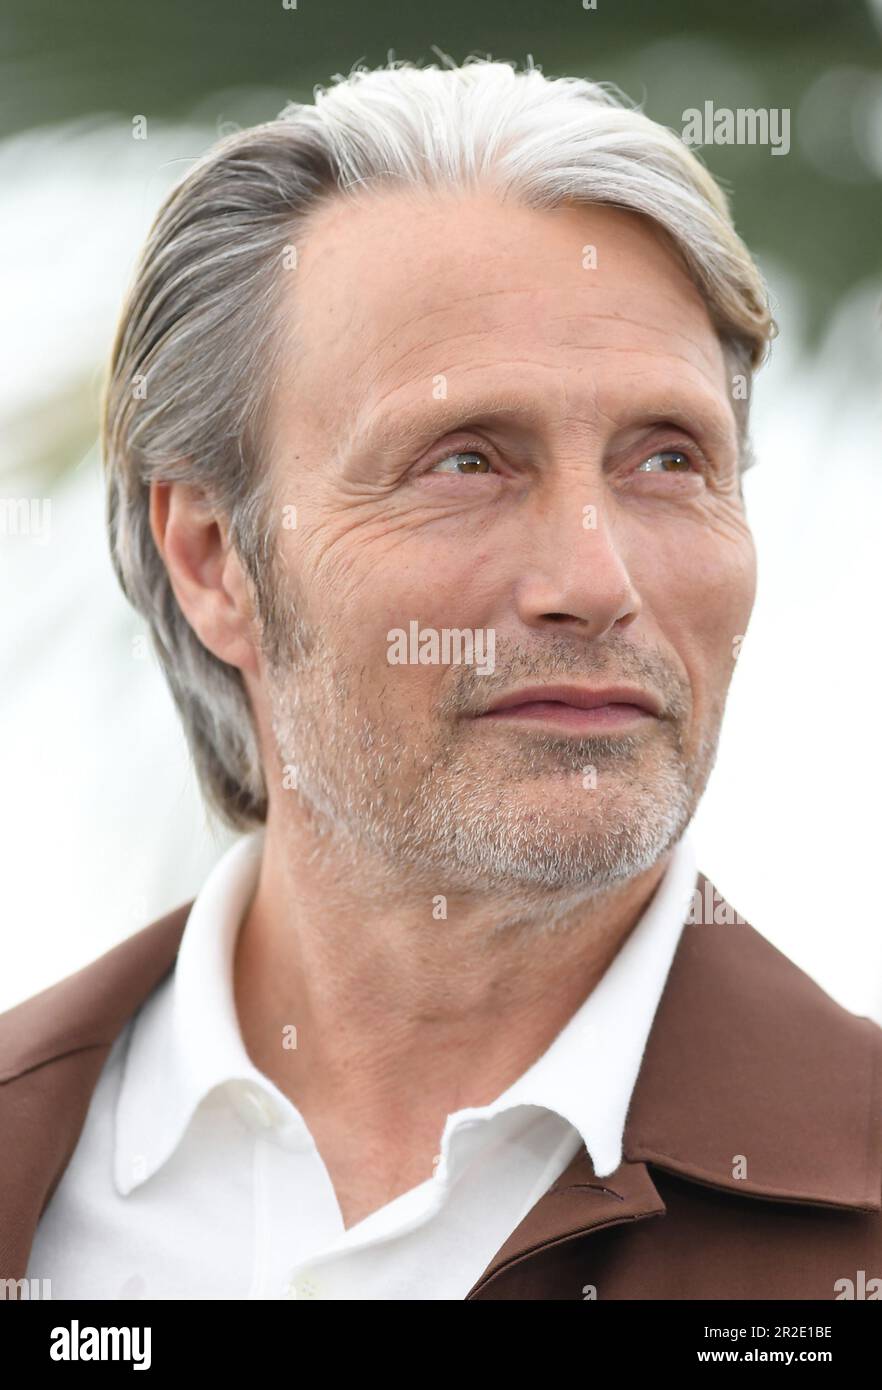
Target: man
{"points": [[424, 432]]}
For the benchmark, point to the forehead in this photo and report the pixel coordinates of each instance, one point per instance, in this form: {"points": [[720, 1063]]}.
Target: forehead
{"points": [[395, 288]]}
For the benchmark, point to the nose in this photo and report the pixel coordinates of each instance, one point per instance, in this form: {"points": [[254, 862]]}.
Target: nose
{"points": [[574, 573]]}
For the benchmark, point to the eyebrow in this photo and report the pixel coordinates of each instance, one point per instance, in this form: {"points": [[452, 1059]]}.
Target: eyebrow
{"points": [[698, 418], [400, 432]]}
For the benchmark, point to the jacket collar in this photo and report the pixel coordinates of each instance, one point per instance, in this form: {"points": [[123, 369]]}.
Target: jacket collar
{"points": [[741, 1086], [754, 1081]]}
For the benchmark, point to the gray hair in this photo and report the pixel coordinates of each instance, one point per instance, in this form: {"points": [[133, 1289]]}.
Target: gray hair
{"points": [[200, 340]]}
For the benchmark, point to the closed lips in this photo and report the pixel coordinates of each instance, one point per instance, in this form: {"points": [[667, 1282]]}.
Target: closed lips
{"points": [[578, 697]]}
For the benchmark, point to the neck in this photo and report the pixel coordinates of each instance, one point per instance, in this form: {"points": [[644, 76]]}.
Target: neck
{"points": [[399, 1010]]}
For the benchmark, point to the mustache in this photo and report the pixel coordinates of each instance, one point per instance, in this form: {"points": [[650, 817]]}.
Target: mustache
{"points": [[614, 661]]}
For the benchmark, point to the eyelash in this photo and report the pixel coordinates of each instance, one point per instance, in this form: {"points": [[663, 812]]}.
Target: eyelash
{"points": [[690, 452]]}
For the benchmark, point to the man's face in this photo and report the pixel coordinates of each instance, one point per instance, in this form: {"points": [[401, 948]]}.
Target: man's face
{"points": [[510, 421]]}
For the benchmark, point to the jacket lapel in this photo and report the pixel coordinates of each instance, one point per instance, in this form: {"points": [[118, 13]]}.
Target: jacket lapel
{"points": [[52, 1049], [741, 1088], [756, 1081], [578, 1203]]}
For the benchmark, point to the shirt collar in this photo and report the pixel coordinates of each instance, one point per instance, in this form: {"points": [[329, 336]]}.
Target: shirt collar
{"points": [[186, 1040]]}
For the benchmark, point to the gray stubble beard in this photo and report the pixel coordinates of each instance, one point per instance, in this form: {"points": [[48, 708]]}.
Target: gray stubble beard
{"points": [[427, 814]]}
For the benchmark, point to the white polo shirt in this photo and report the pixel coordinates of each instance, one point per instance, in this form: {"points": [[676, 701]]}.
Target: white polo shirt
{"points": [[195, 1177]]}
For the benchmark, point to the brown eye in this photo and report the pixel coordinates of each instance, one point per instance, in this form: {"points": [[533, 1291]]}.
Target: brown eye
{"points": [[463, 461], [666, 461]]}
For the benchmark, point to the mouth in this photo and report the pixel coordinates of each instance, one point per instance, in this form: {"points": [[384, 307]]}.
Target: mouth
{"points": [[576, 709]]}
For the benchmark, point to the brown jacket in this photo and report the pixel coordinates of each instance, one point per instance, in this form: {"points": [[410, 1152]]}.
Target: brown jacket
{"points": [[753, 1139]]}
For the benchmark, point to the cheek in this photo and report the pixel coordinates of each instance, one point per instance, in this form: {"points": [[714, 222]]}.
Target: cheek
{"points": [[699, 593], [390, 576], [362, 584]]}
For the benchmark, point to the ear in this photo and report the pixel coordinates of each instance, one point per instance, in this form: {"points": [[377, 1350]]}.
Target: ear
{"points": [[205, 572]]}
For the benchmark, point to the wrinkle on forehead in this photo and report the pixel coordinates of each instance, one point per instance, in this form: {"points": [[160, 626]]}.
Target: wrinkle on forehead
{"points": [[394, 293]]}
